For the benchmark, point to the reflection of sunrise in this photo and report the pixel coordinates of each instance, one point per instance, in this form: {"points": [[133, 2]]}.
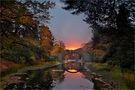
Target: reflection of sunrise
{"points": [[73, 76], [72, 70]]}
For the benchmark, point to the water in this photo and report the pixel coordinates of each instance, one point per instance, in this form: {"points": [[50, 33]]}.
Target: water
{"points": [[73, 81], [55, 78]]}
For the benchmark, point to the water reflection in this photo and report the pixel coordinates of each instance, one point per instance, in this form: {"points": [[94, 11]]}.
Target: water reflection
{"points": [[74, 81], [72, 71], [53, 79]]}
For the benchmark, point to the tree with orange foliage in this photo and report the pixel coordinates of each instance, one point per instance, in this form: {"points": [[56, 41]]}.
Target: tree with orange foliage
{"points": [[58, 48], [46, 39]]}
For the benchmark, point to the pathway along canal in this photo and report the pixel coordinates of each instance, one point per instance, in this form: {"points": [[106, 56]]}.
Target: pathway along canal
{"points": [[54, 78]]}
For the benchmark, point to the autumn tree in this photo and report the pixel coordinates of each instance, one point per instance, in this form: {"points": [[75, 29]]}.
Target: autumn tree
{"points": [[58, 48], [46, 39], [22, 18], [19, 32]]}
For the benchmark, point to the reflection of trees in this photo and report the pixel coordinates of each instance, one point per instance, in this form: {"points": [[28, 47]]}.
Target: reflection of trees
{"points": [[62, 76], [40, 80], [43, 79], [57, 74]]}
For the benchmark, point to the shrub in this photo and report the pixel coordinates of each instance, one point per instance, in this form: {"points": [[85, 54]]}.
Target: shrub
{"points": [[130, 80]]}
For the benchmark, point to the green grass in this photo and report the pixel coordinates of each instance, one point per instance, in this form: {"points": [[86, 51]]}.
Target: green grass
{"points": [[129, 79], [117, 75], [125, 80], [22, 67]]}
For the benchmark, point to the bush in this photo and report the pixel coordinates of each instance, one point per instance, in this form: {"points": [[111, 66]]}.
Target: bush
{"points": [[20, 55], [130, 80], [46, 57]]}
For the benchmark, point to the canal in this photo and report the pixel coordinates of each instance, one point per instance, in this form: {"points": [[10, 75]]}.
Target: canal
{"points": [[74, 81], [54, 78]]}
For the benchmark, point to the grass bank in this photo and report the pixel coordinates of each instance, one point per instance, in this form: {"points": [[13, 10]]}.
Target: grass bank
{"points": [[125, 80]]}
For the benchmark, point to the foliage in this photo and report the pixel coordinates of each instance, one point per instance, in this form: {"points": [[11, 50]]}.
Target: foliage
{"points": [[58, 48], [99, 12], [129, 79], [46, 39], [16, 49], [125, 80], [19, 33], [39, 10]]}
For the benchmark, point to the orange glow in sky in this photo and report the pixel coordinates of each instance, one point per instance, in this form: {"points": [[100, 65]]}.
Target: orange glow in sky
{"points": [[71, 48], [73, 45]]}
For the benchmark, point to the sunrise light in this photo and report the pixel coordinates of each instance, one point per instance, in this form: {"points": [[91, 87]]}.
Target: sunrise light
{"points": [[71, 48], [73, 45]]}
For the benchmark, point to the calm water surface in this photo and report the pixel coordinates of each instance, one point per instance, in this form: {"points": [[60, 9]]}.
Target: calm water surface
{"points": [[54, 78], [73, 81]]}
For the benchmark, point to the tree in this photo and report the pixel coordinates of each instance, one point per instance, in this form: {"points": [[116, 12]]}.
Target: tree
{"points": [[46, 39], [20, 21], [22, 18], [106, 16], [39, 10], [58, 48], [100, 12]]}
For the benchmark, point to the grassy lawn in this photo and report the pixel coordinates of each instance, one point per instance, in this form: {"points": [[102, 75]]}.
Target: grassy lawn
{"points": [[125, 80]]}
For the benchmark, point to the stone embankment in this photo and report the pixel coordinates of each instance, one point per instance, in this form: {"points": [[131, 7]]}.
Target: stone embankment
{"points": [[101, 83]]}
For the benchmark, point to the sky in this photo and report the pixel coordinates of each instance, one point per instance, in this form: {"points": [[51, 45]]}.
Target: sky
{"points": [[71, 29]]}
